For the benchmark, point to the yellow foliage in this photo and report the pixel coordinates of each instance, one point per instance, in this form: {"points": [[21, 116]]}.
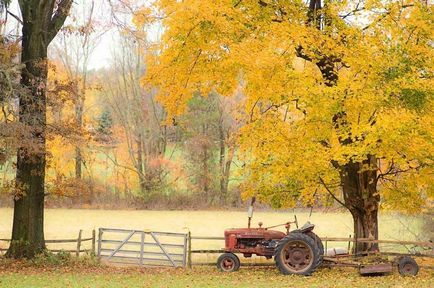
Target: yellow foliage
{"points": [[143, 16], [383, 96]]}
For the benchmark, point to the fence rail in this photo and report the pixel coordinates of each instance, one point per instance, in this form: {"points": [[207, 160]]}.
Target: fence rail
{"points": [[79, 244]]}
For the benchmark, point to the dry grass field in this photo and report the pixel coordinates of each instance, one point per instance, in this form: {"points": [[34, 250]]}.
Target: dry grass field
{"points": [[65, 223]]}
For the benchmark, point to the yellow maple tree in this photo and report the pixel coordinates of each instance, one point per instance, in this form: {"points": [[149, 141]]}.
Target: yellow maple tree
{"points": [[339, 95]]}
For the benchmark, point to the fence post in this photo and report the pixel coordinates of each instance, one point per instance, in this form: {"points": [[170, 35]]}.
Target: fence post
{"points": [[184, 252], [189, 264], [349, 243], [93, 242], [77, 253], [356, 244], [99, 241], [142, 247]]}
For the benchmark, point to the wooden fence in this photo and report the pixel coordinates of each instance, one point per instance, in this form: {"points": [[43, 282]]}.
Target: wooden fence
{"points": [[350, 240], [79, 244], [189, 239]]}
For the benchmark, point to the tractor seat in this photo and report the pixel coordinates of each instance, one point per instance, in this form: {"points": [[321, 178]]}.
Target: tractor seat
{"points": [[306, 227]]}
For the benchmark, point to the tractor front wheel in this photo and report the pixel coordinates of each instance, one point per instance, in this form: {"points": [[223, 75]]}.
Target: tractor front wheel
{"points": [[297, 253], [228, 262]]}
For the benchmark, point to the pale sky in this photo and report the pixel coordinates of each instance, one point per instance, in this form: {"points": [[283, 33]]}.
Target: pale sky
{"points": [[109, 36]]}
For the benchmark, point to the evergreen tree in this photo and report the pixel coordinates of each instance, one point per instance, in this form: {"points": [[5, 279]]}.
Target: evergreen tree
{"points": [[105, 124]]}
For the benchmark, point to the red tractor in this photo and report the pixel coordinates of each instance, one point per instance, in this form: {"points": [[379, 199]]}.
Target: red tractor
{"points": [[297, 252]]}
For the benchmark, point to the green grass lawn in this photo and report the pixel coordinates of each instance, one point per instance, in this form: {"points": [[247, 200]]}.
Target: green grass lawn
{"points": [[202, 277]]}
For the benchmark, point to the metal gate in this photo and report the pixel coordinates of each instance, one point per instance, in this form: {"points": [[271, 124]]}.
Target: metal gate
{"points": [[145, 248]]}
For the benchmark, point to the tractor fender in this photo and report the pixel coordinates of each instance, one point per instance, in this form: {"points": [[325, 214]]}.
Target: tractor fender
{"points": [[307, 227]]}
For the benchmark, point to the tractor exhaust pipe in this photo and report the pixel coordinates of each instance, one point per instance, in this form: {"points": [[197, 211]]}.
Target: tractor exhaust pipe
{"points": [[250, 211]]}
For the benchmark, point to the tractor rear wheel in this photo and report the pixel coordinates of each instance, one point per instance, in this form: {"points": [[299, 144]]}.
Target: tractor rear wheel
{"points": [[228, 262], [319, 244], [297, 253]]}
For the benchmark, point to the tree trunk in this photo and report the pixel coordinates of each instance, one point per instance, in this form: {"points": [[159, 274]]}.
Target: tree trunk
{"points": [[78, 161], [42, 19], [28, 224], [79, 124], [359, 183], [225, 169], [78, 156], [141, 165], [222, 157], [359, 180], [205, 175], [365, 226]]}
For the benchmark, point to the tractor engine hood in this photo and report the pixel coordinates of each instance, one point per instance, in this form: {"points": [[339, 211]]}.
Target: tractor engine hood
{"points": [[254, 233]]}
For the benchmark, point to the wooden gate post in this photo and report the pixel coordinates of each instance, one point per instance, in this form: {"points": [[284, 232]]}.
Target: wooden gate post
{"points": [[77, 253], [99, 241], [93, 242], [142, 247], [189, 264]]}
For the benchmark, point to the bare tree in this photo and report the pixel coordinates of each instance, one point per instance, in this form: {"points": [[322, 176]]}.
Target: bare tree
{"points": [[75, 45], [228, 126], [135, 109], [209, 131]]}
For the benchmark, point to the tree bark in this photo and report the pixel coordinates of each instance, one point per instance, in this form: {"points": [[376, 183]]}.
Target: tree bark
{"points": [[40, 24], [359, 184]]}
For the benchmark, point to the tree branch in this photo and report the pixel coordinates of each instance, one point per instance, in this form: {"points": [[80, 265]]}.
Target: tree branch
{"points": [[253, 109], [352, 12], [15, 16], [238, 3], [383, 16], [262, 3], [333, 195], [58, 18]]}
